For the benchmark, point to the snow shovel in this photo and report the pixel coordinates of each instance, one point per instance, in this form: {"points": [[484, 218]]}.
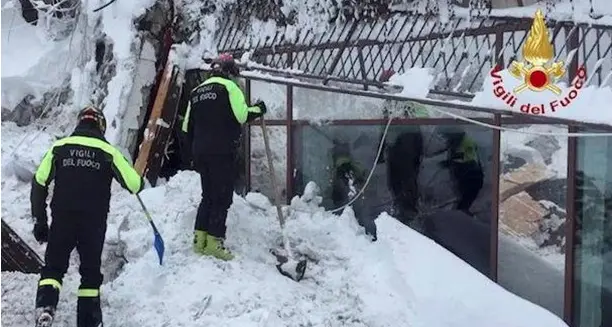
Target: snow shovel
{"points": [[158, 242], [287, 266]]}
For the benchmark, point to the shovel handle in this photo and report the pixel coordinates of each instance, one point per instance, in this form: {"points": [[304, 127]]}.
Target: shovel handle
{"points": [[264, 132]]}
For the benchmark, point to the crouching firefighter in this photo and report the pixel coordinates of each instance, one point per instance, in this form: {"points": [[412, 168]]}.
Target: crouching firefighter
{"points": [[348, 179], [82, 166], [213, 122]]}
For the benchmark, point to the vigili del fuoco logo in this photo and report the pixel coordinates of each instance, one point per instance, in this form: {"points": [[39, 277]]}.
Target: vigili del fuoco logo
{"points": [[537, 74]]}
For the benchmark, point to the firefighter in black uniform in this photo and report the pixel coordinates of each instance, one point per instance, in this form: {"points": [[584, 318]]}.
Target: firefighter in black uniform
{"points": [[217, 108], [464, 165], [83, 166]]}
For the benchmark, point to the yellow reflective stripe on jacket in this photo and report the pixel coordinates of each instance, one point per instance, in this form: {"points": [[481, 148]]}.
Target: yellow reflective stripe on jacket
{"points": [[51, 282], [88, 292], [129, 175], [236, 97], [44, 170], [237, 100], [186, 118]]}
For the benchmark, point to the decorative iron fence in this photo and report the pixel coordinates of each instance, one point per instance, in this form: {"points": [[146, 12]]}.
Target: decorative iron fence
{"points": [[460, 47]]}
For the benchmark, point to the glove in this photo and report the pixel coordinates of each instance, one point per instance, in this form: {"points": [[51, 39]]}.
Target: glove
{"points": [[41, 231], [262, 106]]}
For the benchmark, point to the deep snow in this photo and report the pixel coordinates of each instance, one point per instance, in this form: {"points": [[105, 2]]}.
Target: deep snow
{"points": [[403, 279], [34, 64], [44, 66]]}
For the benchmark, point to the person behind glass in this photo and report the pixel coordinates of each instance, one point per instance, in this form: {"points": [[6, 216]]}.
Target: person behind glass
{"points": [[464, 165], [348, 177], [404, 157], [213, 121]]}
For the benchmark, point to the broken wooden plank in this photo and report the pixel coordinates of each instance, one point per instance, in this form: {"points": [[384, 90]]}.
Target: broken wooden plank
{"points": [[152, 126], [165, 127]]}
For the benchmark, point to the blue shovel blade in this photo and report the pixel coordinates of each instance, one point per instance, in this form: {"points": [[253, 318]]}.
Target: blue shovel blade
{"points": [[158, 244]]}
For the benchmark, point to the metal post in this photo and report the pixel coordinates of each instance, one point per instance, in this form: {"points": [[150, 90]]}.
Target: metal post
{"points": [[570, 226], [290, 156], [495, 173], [247, 139]]}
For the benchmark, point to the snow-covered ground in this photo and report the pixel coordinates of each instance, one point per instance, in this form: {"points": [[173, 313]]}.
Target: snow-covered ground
{"points": [[403, 279]]}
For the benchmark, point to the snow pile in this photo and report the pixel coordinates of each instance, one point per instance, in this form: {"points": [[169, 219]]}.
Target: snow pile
{"points": [[117, 23], [576, 102], [32, 63], [403, 279], [35, 63], [202, 21], [417, 81]]}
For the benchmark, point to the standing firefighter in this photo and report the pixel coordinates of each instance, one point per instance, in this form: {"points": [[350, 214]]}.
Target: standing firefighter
{"points": [[465, 166], [83, 166], [217, 109]]}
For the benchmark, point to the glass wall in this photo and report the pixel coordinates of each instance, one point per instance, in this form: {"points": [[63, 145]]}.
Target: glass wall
{"points": [[260, 173], [532, 214], [275, 96], [322, 105], [593, 242], [436, 179]]}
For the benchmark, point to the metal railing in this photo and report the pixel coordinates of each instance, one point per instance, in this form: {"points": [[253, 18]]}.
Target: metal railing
{"points": [[461, 50]]}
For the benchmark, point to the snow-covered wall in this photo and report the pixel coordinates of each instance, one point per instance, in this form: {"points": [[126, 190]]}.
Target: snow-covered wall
{"points": [[106, 59]]}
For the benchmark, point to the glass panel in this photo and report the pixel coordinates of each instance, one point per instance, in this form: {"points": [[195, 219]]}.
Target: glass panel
{"points": [[415, 179], [260, 174], [593, 243], [464, 113], [532, 187], [275, 96], [322, 105], [319, 105]]}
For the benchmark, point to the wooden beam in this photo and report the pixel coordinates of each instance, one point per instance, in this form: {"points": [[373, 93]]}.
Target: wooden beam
{"points": [[152, 126]]}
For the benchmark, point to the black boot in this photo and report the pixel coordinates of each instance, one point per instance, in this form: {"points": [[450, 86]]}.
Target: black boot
{"points": [[47, 297], [44, 316], [89, 312]]}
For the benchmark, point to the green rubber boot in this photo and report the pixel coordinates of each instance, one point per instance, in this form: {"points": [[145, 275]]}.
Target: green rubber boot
{"points": [[214, 247], [199, 242]]}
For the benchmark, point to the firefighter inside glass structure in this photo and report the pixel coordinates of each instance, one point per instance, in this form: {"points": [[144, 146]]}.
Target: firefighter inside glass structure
{"points": [[431, 178]]}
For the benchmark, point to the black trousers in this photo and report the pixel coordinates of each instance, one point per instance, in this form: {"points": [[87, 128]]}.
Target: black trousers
{"points": [[218, 174], [469, 178], [85, 231]]}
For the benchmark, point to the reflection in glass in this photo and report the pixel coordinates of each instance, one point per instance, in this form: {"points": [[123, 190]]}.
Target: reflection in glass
{"points": [[435, 179], [593, 243], [532, 186]]}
